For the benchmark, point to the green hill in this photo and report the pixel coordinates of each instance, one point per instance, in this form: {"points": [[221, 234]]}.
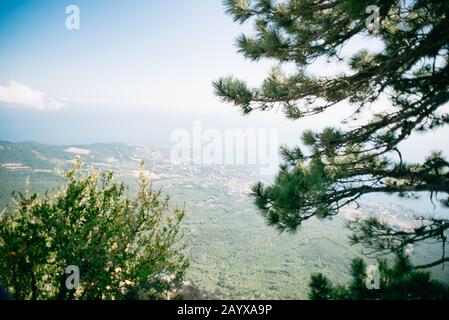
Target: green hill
{"points": [[233, 254]]}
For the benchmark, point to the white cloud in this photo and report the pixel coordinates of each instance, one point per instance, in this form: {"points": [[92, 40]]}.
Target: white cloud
{"points": [[22, 95]]}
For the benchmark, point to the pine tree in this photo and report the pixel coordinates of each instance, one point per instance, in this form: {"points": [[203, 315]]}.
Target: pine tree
{"points": [[401, 281], [340, 164]]}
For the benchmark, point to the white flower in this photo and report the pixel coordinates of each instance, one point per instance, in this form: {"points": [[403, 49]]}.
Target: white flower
{"points": [[409, 250]]}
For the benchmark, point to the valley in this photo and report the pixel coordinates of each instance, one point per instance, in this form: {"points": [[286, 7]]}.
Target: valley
{"points": [[233, 254]]}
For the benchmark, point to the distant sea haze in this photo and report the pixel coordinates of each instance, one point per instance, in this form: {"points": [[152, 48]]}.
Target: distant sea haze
{"points": [[147, 126]]}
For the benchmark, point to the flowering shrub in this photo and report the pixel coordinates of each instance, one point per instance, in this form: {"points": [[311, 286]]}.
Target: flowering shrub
{"points": [[119, 243]]}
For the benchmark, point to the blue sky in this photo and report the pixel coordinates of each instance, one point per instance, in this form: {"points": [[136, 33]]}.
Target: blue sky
{"points": [[135, 71], [126, 51], [137, 61]]}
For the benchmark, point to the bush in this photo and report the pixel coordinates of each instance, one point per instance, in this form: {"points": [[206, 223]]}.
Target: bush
{"points": [[120, 244]]}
